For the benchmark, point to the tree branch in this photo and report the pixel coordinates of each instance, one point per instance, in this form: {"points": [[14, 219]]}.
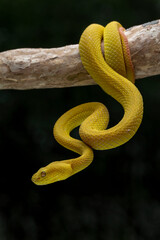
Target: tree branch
{"points": [[62, 67]]}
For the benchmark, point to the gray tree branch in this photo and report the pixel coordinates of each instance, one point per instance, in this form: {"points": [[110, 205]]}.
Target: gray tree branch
{"points": [[61, 67]]}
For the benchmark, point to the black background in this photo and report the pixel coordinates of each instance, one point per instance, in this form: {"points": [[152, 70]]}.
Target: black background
{"points": [[117, 197]]}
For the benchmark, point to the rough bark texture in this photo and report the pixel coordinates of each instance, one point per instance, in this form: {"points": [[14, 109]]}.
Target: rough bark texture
{"points": [[62, 67], [144, 44]]}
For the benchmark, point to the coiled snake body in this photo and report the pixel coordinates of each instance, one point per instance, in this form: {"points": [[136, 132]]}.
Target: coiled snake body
{"points": [[113, 72]]}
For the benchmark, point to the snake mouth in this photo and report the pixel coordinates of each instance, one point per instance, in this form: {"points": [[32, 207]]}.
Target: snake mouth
{"points": [[35, 179]]}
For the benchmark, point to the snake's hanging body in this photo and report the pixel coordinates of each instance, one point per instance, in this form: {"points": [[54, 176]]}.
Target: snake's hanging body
{"points": [[114, 73]]}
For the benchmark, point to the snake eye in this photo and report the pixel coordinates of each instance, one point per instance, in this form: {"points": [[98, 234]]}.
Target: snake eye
{"points": [[43, 174]]}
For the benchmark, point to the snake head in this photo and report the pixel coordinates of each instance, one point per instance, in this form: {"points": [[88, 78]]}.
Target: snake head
{"points": [[53, 172]]}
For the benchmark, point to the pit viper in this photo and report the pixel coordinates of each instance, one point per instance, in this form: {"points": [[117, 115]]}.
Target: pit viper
{"points": [[113, 72]]}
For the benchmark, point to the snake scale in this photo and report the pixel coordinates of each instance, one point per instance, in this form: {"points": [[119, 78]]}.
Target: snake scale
{"points": [[114, 73]]}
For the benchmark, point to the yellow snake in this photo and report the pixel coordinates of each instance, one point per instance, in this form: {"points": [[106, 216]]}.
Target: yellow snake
{"points": [[114, 74]]}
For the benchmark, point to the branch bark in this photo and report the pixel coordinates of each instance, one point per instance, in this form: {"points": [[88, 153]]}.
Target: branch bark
{"points": [[61, 67]]}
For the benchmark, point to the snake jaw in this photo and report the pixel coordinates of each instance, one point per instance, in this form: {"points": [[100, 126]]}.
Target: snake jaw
{"points": [[53, 172]]}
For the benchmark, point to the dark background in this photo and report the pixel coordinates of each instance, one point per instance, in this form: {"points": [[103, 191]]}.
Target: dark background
{"points": [[118, 196]]}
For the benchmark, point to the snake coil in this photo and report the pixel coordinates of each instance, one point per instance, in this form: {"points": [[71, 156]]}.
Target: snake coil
{"points": [[114, 73]]}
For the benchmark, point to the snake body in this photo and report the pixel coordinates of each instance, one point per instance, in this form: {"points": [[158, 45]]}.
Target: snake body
{"points": [[113, 72]]}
